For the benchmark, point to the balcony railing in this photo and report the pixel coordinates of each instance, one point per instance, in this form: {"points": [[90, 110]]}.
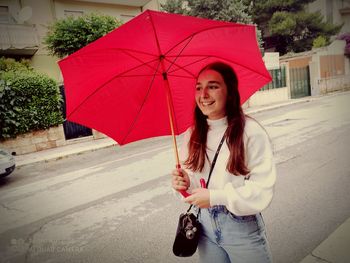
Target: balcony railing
{"points": [[18, 39]]}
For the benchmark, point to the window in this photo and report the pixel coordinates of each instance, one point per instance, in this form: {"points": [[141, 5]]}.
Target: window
{"points": [[73, 13], [4, 14]]}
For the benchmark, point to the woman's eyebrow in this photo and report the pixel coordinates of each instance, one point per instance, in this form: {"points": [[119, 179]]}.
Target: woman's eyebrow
{"points": [[213, 82], [210, 82]]}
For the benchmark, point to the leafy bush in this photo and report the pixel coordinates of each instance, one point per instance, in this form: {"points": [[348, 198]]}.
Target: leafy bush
{"points": [[70, 34], [8, 64], [320, 41], [29, 101]]}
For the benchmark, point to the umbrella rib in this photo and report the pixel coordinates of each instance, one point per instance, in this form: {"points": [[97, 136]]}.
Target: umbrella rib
{"points": [[183, 67], [143, 103], [131, 69], [203, 30], [252, 70], [190, 73], [179, 76], [140, 75], [103, 49], [143, 62], [178, 55], [233, 62]]}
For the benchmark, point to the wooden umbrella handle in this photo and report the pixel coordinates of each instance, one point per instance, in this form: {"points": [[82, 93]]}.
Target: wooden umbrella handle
{"points": [[171, 121]]}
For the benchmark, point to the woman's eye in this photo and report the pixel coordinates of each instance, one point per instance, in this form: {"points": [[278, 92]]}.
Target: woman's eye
{"points": [[212, 87], [198, 88]]}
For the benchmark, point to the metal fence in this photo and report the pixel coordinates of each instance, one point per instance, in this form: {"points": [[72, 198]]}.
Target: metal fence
{"points": [[278, 79], [299, 82]]}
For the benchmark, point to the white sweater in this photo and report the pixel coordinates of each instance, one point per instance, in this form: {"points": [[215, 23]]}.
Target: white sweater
{"points": [[241, 197]]}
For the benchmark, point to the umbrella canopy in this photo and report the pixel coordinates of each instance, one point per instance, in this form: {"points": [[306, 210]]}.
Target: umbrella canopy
{"points": [[128, 83]]}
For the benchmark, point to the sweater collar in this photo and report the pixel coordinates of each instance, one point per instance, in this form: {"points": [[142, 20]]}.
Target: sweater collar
{"points": [[219, 123]]}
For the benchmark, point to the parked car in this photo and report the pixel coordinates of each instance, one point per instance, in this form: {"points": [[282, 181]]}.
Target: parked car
{"points": [[7, 163]]}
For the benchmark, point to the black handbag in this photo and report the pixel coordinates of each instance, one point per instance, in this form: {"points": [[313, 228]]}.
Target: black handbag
{"points": [[189, 227], [187, 235]]}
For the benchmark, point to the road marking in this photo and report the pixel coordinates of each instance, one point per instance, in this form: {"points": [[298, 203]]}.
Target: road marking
{"points": [[133, 156]]}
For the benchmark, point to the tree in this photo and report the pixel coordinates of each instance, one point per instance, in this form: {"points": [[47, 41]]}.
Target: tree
{"points": [[225, 10], [68, 35], [287, 26]]}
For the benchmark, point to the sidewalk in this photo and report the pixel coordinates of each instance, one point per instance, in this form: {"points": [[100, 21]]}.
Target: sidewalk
{"points": [[334, 249]]}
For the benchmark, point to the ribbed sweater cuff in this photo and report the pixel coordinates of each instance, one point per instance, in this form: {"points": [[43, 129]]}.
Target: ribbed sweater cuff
{"points": [[217, 197]]}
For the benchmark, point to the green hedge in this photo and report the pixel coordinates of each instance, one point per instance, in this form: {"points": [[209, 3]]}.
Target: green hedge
{"points": [[29, 101]]}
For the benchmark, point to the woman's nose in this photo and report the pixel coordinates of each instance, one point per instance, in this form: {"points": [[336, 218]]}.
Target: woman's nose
{"points": [[204, 93]]}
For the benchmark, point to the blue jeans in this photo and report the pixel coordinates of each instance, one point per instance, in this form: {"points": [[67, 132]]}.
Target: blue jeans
{"points": [[229, 238]]}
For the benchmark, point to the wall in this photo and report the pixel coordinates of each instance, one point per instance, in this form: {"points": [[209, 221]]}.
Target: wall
{"points": [[36, 141], [269, 96], [123, 13], [332, 65], [43, 15], [332, 84], [328, 66], [300, 62], [330, 69]]}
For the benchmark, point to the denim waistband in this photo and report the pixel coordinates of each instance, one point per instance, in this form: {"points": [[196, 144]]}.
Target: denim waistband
{"points": [[221, 208], [218, 208]]}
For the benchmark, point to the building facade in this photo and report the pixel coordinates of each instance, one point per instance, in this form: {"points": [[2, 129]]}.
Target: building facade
{"points": [[333, 11]]}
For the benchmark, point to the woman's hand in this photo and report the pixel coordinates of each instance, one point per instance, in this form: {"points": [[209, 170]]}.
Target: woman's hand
{"points": [[199, 197], [180, 180]]}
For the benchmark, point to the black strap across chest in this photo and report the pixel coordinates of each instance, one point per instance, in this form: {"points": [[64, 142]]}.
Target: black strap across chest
{"points": [[212, 165]]}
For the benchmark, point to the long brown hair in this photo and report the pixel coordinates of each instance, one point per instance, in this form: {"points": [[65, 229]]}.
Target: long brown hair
{"points": [[197, 145]]}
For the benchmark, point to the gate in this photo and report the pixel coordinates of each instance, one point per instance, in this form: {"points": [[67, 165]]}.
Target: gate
{"points": [[300, 82], [72, 130]]}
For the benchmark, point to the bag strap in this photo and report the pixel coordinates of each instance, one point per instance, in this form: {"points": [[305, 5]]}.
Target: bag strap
{"points": [[215, 157], [212, 165]]}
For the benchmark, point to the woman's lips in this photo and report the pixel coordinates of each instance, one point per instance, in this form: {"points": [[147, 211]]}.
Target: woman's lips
{"points": [[207, 103]]}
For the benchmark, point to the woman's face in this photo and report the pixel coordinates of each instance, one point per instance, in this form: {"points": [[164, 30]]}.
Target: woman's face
{"points": [[211, 94]]}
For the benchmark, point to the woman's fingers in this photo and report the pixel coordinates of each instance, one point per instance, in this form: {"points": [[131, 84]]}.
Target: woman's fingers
{"points": [[180, 180], [179, 183]]}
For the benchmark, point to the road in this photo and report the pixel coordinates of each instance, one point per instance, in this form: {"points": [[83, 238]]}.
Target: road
{"points": [[116, 205]]}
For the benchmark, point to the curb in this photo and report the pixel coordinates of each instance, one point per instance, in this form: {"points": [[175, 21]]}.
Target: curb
{"points": [[36, 158]]}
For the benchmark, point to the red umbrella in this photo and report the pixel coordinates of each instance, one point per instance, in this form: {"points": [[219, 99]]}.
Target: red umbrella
{"points": [[129, 83]]}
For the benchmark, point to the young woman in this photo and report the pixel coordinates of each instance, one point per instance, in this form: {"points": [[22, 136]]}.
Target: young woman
{"points": [[241, 184]]}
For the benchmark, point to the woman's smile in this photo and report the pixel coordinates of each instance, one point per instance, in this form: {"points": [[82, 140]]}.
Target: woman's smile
{"points": [[207, 103]]}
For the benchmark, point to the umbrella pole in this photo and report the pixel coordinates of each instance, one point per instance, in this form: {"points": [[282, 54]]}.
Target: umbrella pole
{"points": [[171, 119]]}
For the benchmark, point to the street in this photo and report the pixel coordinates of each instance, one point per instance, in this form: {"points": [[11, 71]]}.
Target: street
{"points": [[116, 204]]}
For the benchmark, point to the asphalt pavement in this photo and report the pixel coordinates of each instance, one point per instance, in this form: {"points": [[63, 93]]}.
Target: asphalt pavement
{"points": [[334, 249]]}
